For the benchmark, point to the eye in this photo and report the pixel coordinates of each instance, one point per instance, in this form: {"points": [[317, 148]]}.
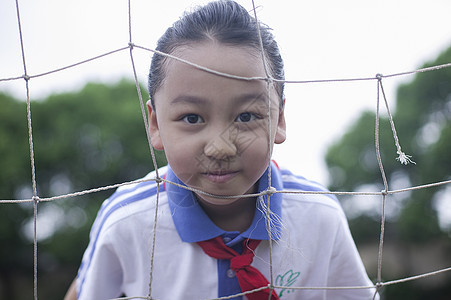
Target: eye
{"points": [[246, 117], [192, 119]]}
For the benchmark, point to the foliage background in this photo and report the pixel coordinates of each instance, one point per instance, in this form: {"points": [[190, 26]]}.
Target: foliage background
{"points": [[417, 232], [82, 140]]}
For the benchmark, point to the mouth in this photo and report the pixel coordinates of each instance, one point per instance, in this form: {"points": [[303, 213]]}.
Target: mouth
{"points": [[220, 176]]}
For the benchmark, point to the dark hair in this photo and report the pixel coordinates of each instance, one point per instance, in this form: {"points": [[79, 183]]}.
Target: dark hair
{"points": [[225, 21]]}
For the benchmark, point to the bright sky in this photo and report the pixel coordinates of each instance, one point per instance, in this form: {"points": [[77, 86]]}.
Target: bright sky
{"points": [[318, 39]]}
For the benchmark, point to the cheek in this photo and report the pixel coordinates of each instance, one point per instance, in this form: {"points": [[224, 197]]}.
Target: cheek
{"points": [[253, 139], [183, 157], [182, 165], [179, 153], [255, 151]]}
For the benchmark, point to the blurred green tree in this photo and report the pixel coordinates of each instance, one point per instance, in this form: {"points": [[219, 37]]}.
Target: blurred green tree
{"points": [[82, 140], [422, 117]]}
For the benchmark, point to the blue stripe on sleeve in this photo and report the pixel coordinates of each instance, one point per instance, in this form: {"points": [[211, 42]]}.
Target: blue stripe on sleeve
{"points": [[106, 213]]}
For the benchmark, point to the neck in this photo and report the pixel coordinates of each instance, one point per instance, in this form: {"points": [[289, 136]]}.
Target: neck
{"points": [[236, 216]]}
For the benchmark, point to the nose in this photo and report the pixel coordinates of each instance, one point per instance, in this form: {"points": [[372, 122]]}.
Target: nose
{"points": [[221, 146]]}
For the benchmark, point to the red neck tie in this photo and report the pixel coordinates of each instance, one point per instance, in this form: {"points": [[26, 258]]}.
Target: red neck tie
{"points": [[249, 277]]}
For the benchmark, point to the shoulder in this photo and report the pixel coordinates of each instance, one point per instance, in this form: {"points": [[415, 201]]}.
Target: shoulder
{"points": [[130, 199], [310, 210], [293, 182], [304, 193]]}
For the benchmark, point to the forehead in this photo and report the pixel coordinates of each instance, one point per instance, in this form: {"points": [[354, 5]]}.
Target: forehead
{"points": [[234, 60]]}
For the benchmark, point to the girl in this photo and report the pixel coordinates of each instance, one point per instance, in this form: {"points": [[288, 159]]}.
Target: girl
{"points": [[222, 230]]}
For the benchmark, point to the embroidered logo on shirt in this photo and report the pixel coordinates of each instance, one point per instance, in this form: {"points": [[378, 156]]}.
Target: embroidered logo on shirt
{"points": [[287, 279]]}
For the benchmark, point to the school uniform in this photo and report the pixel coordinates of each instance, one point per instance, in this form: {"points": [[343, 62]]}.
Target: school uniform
{"points": [[311, 245]]}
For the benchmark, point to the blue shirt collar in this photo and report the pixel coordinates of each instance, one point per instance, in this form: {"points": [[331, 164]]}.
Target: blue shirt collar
{"points": [[193, 224]]}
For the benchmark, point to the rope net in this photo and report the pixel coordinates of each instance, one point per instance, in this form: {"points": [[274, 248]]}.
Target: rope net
{"points": [[131, 48]]}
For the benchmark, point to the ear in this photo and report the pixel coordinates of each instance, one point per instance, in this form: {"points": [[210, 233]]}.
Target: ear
{"points": [[154, 130], [281, 133]]}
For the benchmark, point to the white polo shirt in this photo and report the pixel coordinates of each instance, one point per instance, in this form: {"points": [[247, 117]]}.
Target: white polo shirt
{"points": [[312, 245]]}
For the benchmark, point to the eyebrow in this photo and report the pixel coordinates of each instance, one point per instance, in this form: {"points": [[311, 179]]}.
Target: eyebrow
{"points": [[251, 97], [241, 99], [190, 100]]}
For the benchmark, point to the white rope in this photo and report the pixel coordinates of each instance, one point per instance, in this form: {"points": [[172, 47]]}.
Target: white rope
{"points": [[269, 83], [402, 157], [33, 170]]}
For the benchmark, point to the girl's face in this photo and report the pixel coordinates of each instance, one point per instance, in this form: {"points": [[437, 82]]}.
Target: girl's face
{"points": [[215, 130]]}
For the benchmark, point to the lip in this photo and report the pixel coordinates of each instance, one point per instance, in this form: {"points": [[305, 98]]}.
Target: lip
{"points": [[220, 176]]}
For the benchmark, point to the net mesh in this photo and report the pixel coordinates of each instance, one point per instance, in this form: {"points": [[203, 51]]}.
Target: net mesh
{"points": [[132, 47]]}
